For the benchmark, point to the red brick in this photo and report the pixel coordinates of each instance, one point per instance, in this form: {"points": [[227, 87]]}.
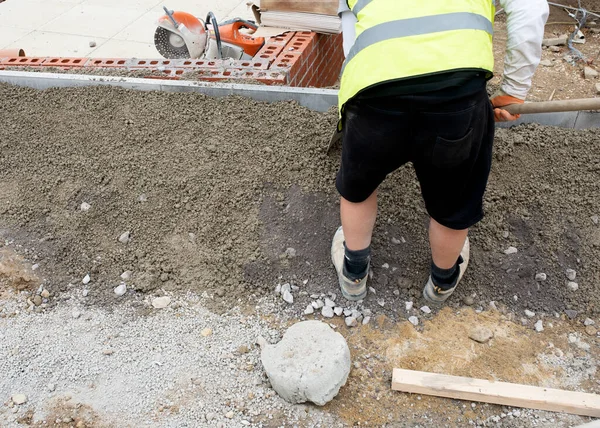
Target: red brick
{"points": [[106, 62], [24, 61], [65, 62]]}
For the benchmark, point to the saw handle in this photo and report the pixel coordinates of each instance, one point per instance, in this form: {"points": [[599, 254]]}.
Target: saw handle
{"points": [[213, 20], [554, 106]]}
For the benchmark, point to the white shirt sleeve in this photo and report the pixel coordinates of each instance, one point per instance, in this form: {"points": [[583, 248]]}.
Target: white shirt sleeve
{"points": [[525, 25], [348, 26]]}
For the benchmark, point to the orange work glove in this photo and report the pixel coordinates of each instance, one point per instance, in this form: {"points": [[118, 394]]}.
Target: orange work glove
{"points": [[500, 99]]}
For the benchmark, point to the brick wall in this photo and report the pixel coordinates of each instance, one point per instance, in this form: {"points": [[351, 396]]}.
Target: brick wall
{"points": [[302, 59]]}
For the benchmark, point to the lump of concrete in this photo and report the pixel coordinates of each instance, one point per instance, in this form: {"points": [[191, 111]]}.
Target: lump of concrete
{"points": [[590, 73], [161, 302], [125, 237], [481, 334], [310, 363]]}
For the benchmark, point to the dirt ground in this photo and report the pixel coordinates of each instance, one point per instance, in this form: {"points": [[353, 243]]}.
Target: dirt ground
{"points": [[226, 198], [214, 191]]}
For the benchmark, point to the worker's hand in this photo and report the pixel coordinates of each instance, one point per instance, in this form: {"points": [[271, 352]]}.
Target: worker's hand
{"points": [[500, 99]]}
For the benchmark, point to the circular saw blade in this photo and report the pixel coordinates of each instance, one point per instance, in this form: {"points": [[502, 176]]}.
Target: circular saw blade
{"points": [[170, 45]]}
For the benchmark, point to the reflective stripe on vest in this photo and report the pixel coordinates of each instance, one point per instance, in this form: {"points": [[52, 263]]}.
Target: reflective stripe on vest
{"points": [[398, 40], [419, 26]]}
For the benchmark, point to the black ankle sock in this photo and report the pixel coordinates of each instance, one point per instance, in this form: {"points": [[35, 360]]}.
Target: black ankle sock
{"points": [[356, 263], [445, 278]]}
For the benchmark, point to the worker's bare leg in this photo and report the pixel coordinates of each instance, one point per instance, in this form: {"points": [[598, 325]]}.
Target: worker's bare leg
{"points": [[446, 244], [358, 220]]}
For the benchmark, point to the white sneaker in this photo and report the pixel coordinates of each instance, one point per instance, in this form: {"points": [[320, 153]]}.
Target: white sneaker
{"points": [[435, 294], [351, 290]]}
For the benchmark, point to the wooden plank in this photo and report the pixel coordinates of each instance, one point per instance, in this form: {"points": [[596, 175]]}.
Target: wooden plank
{"points": [[507, 394], [323, 7]]}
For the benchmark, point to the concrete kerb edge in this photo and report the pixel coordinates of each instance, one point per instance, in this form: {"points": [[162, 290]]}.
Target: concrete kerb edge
{"points": [[312, 98]]}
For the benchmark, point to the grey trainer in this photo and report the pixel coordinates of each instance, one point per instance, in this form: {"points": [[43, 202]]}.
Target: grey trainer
{"points": [[434, 294], [351, 290]]}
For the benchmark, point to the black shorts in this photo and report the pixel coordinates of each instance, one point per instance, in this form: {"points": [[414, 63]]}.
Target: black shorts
{"points": [[447, 135]]}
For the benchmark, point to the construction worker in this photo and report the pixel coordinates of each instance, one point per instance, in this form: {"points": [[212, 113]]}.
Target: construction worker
{"points": [[413, 89]]}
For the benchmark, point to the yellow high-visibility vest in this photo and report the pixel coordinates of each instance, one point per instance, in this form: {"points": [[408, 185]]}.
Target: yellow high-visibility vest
{"points": [[398, 39]]}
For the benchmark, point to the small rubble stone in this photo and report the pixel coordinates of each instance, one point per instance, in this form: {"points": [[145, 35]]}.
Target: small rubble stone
{"points": [[37, 300], [539, 326], [589, 73], [571, 274], [126, 276], [511, 250], [161, 302], [573, 338], [573, 286], [85, 206], [481, 334], [372, 290], [338, 311], [329, 303], [19, 399], [327, 312], [555, 49], [92, 44], [351, 322], [347, 312], [290, 252], [85, 293], [595, 218], [385, 266], [45, 294], [206, 332], [541, 276], [529, 313], [309, 310], [51, 387], [120, 289], [381, 302], [319, 304], [591, 330], [546, 63], [287, 297], [310, 363], [426, 309], [86, 279], [413, 320], [366, 320], [125, 237], [571, 313], [229, 414], [408, 305], [589, 321], [285, 287], [469, 301], [75, 314]]}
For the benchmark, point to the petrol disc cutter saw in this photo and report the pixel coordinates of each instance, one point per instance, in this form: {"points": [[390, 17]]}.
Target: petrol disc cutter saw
{"points": [[182, 35]]}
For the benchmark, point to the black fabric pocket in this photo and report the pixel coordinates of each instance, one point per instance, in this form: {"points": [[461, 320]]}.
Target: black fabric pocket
{"points": [[452, 153]]}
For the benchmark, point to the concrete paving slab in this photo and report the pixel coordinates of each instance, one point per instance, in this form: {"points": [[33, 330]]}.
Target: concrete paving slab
{"points": [[131, 21], [43, 43], [125, 49], [9, 35], [142, 29], [88, 20], [18, 14]]}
